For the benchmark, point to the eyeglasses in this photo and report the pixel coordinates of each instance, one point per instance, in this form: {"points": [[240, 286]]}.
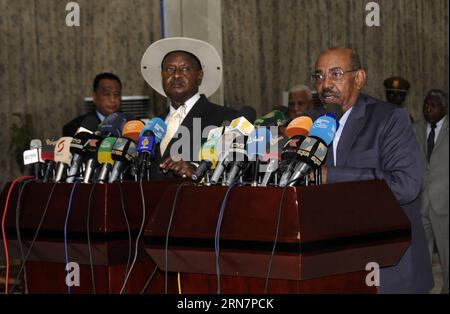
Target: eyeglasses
{"points": [[336, 74]]}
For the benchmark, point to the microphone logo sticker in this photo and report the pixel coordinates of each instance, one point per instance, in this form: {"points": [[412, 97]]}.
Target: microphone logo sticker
{"points": [[61, 146]]}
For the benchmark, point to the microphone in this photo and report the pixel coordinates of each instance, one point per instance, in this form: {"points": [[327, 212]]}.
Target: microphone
{"points": [[208, 154], [48, 156], [125, 148], [62, 157], [90, 157], [273, 118], [104, 158], [152, 134], [113, 124], [313, 150], [237, 158], [238, 127], [77, 146], [297, 130], [257, 147], [123, 151], [132, 129], [36, 144], [32, 156], [208, 158], [273, 157]]}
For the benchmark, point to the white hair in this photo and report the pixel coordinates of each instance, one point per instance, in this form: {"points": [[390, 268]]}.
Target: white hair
{"points": [[301, 88]]}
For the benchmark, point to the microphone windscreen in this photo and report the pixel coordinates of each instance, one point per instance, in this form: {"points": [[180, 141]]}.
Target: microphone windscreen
{"points": [[273, 118], [35, 143], [62, 150], [157, 126], [299, 126], [208, 152], [324, 128], [242, 125], [104, 150], [258, 142], [48, 152], [132, 129]]}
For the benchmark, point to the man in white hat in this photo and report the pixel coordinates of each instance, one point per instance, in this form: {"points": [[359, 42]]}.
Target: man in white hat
{"points": [[186, 71]]}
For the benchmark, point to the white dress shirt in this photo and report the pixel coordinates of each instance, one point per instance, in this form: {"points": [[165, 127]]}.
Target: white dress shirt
{"points": [[437, 129]]}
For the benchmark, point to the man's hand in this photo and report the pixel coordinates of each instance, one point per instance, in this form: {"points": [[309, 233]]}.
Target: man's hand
{"points": [[180, 168]]}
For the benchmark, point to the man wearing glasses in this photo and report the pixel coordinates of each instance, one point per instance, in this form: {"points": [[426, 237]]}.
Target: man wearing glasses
{"points": [[375, 140]]}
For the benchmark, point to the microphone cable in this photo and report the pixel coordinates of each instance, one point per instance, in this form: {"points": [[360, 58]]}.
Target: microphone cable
{"points": [[91, 264], [179, 283], [275, 241], [122, 203], [19, 237], [149, 279], [35, 235], [218, 228], [69, 207], [137, 238], [166, 261], [5, 211]]}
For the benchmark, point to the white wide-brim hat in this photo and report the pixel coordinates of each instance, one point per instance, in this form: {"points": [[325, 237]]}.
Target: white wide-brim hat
{"points": [[205, 52]]}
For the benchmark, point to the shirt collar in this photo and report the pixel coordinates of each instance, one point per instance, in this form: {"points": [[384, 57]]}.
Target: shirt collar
{"points": [[100, 116], [439, 123], [344, 118], [188, 105]]}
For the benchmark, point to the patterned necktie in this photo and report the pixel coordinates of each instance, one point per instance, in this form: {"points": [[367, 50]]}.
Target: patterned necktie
{"points": [[430, 141], [173, 123]]}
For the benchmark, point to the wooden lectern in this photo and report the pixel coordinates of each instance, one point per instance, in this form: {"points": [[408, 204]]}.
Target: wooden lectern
{"points": [[327, 236], [45, 267]]}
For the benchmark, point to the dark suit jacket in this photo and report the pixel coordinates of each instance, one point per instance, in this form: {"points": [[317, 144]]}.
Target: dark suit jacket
{"points": [[378, 142], [71, 127], [206, 114]]}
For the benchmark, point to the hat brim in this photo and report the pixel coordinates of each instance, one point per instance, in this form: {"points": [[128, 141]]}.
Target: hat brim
{"points": [[205, 52]]}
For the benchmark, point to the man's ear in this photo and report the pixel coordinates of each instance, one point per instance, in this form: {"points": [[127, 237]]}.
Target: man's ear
{"points": [[94, 98], [360, 78], [200, 77]]}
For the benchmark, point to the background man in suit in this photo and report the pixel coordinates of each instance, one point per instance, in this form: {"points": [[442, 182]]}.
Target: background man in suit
{"points": [[432, 135], [107, 93], [375, 140], [186, 71], [300, 100]]}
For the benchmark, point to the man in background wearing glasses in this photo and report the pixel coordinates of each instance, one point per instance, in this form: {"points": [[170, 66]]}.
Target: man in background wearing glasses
{"points": [[375, 140]]}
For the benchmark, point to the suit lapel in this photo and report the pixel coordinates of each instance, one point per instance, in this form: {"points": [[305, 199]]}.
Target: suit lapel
{"points": [[442, 133], [353, 126]]}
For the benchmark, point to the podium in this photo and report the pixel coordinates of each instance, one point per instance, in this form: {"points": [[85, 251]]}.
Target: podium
{"points": [[108, 232], [327, 236]]}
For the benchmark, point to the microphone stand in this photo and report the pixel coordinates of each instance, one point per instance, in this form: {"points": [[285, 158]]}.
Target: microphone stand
{"points": [[318, 176]]}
